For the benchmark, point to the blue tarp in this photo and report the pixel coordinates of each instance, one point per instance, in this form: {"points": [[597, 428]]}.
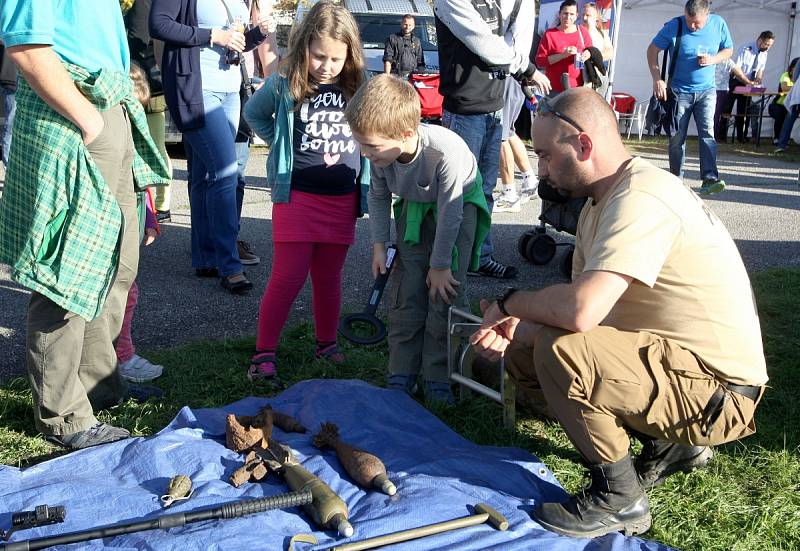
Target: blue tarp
{"points": [[439, 476]]}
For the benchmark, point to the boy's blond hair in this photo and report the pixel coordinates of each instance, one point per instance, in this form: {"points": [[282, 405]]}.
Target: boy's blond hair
{"points": [[385, 105]]}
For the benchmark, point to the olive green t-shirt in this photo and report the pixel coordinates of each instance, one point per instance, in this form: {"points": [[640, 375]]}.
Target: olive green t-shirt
{"points": [[689, 282]]}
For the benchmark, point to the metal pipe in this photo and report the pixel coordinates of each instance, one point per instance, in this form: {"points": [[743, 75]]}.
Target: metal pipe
{"points": [[483, 513]]}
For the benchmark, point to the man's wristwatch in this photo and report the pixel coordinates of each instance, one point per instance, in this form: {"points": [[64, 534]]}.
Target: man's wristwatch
{"points": [[501, 301]]}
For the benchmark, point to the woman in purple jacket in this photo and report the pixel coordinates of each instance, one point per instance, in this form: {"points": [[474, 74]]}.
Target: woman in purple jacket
{"points": [[201, 75]]}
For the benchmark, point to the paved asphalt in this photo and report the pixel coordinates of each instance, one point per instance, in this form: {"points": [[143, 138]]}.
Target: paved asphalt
{"points": [[760, 208]]}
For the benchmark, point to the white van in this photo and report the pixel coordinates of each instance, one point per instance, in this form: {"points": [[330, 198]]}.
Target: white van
{"points": [[377, 19]]}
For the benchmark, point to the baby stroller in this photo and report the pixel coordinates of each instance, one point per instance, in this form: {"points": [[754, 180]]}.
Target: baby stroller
{"points": [[427, 86], [562, 214]]}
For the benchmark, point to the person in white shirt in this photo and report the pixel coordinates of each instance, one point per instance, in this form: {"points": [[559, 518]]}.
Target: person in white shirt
{"points": [[724, 72], [751, 59]]}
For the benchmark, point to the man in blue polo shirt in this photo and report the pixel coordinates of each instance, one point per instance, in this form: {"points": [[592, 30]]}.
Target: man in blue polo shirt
{"points": [[705, 41]]}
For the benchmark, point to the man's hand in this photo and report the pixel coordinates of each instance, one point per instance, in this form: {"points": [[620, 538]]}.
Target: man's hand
{"points": [[705, 60], [233, 40], [496, 332], [91, 125], [660, 89], [441, 283], [378, 259], [541, 80]]}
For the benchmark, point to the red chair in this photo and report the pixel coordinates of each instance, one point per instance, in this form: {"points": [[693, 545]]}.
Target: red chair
{"points": [[627, 109]]}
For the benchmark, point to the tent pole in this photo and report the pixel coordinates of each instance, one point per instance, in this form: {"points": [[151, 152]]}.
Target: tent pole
{"points": [[792, 16], [612, 68]]}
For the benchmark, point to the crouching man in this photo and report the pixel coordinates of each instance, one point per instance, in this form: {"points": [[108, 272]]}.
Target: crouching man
{"points": [[657, 336]]}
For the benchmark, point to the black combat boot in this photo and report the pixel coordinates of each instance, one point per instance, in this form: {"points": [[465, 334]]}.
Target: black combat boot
{"points": [[660, 459], [613, 502]]}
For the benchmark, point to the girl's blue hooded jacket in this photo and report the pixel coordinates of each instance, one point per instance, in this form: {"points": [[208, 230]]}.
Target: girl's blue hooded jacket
{"points": [[270, 113]]}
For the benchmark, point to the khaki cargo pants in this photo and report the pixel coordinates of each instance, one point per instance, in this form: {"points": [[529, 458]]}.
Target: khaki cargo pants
{"points": [[603, 381], [418, 326], [72, 365]]}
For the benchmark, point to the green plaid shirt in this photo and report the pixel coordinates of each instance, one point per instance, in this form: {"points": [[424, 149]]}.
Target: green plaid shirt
{"points": [[59, 223]]}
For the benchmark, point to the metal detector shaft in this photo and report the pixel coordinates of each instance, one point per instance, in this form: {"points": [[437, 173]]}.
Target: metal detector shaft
{"points": [[229, 510]]}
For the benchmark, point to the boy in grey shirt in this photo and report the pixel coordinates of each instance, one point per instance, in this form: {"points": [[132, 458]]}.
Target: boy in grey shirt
{"points": [[440, 216]]}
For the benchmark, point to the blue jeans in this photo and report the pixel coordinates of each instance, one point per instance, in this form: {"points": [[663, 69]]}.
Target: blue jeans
{"points": [[788, 123], [242, 156], [483, 135], [10, 104], [212, 194], [700, 105]]}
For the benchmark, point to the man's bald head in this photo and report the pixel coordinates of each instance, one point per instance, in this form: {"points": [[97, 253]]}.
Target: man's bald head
{"points": [[588, 108]]}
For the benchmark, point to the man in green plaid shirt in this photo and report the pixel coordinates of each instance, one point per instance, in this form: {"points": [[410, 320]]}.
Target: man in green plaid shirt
{"points": [[68, 218]]}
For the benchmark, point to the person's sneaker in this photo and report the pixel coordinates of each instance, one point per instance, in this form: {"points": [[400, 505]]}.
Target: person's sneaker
{"points": [[163, 216], [711, 186], [779, 150], [264, 365], [401, 381], [439, 393], [140, 370], [505, 204], [246, 254], [495, 269], [660, 459], [236, 284], [528, 193], [142, 393], [331, 353], [101, 433]]}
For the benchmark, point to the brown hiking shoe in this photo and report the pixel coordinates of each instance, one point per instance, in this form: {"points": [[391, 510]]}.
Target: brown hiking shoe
{"points": [[246, 253]]}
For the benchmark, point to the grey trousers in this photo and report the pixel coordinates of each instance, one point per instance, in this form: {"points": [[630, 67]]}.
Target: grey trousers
{"points": [[72, 366], [418, 326]]}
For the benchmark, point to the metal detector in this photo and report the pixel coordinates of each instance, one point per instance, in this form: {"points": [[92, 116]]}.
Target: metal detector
{"points": [[368, 314]]}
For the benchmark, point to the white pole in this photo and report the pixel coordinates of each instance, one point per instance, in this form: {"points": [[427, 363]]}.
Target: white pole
{"points": [[617, 20], [792, 15]]}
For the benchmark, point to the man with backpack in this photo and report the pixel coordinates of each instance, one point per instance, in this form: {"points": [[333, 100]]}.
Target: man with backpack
{"points": [[697, 41], [474, 60]]}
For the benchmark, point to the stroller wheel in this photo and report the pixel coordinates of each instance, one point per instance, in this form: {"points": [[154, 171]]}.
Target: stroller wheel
{"points": [[566, 262], [522, 242], [540, 249]]}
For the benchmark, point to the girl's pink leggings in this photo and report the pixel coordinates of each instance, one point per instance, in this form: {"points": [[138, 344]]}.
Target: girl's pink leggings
{"points": [[291, 264], [124, 345]]}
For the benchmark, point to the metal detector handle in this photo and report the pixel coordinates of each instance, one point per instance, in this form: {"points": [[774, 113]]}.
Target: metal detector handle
{"points": [[380, 282]]}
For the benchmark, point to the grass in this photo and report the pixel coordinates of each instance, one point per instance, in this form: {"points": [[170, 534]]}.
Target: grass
{"points": [[748, 498]]}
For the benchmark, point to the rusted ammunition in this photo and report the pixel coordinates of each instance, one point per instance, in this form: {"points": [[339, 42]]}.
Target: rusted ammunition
{"points": [[243, 432], [253, 470], [365, 468], [285, 422]]}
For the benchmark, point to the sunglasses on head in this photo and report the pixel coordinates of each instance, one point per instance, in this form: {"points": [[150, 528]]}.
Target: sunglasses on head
{"points": [[545, 106]]}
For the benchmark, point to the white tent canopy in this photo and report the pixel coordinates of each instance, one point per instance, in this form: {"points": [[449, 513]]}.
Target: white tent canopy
{"points": [[640, 20]]}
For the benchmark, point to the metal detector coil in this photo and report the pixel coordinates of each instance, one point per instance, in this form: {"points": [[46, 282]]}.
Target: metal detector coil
{"points": [[368, 314], [461, 326]]}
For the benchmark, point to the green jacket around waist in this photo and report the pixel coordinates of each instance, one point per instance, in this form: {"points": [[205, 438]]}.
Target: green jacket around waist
{"points": [[416, 213], [59, 222]]}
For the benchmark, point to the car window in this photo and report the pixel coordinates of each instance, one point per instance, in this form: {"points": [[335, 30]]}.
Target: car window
{"points": [[376, 28]]}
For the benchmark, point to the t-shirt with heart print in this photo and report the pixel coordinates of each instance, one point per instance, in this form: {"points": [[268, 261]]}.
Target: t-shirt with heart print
{"points": [[326, 157]]}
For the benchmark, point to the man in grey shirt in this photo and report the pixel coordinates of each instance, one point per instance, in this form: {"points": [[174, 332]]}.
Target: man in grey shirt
{"points": [[438, 219]]}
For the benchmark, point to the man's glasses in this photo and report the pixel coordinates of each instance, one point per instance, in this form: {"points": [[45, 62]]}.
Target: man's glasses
{"points": [[544, 106]]}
